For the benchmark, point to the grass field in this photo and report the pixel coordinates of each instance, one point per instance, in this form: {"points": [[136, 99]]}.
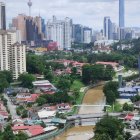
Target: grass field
{"points": [[115, 108]]}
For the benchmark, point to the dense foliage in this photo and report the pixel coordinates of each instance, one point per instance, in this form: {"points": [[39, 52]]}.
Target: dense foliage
{"points": [[110, 91], [94, 73], [5, 79], [59, 97], [26, 80], [110, 128]]}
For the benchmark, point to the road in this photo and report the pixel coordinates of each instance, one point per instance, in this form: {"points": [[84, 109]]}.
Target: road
{"points": [[11, 107]]}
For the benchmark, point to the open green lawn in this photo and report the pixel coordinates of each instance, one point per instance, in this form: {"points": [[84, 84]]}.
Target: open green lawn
{"points": [[114, 108], [77, 85]]}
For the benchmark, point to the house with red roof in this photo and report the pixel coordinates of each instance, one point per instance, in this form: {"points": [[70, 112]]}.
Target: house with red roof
{"points": [[26, 98], [31, 131]]}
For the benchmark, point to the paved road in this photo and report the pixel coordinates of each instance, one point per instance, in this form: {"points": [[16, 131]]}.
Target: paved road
{"points": [[11, 107]]}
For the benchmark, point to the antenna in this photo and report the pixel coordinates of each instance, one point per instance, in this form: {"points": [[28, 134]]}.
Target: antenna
{"points": [[30, 5]]}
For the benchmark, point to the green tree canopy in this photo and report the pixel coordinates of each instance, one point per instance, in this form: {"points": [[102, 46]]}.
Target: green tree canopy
{"points": [[26, 80], [110, 126]]}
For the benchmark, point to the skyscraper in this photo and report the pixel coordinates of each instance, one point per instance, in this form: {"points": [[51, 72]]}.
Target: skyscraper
{"points": [[19, 23], [60, 31], [121, 13], [87, 33], [77, 33], [107, 28], [2, 16]]}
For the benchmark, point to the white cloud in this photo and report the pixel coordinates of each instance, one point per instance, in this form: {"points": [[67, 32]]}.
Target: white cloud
{"points": [[86, 12]]}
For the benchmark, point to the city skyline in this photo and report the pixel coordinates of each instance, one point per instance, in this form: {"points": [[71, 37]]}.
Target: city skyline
{"points": [[89, 13]]}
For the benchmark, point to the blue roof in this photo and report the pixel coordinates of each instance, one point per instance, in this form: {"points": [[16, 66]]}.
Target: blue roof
{"points": [[127, 89]]}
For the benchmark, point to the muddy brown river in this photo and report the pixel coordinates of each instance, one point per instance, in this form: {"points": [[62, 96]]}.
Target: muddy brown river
{"points": [[93, 96]]}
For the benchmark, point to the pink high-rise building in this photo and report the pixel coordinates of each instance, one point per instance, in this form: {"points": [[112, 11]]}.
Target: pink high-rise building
{"points": [[19, 23]]}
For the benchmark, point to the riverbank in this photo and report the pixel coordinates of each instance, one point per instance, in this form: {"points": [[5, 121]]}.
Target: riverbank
{"points": [[93, 96]]}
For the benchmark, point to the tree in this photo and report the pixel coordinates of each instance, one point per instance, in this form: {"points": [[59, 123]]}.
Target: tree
{"points": [[102, 137], [120, 137], [48, 75], [8, 133], [109, 72], [64, 84], [127, 107], [7, 75], [74, 71], [86, 74], [3, 84], [24, 113], [35, 64], [97, 72], [110, 126], [127, 135], [111, 91], [21, 136], [110, 97], [40, 101], [26, 80]]}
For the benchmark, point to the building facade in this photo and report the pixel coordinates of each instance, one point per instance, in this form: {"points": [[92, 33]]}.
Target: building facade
{"points": [[87, 35], [12, 57], [77, 33], [60, 31], [17, 54], [121, 14], [107, 28], [19, 23], [31, 28], [2, 16]]}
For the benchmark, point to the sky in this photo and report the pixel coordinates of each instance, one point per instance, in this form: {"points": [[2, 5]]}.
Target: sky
{"points": [[86, 12]]}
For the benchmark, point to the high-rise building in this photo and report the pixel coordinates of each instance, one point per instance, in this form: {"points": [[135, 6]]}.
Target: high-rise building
{"points": [[107, 28], [20, 24], [17, 54], [121, 14], [60, 31], [30, 28], [67, 33], [87, 35], [2, 16], [12, 57], [77, 33]]}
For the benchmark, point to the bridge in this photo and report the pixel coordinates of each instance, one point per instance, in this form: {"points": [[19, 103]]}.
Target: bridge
{"points": [[89, 116], [92, 118]]}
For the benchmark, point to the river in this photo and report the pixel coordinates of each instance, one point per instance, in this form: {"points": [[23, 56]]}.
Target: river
{"points": [[93, 96]]}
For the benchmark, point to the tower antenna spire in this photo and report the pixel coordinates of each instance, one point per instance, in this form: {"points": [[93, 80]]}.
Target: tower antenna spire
{"points": [[30, 5]]}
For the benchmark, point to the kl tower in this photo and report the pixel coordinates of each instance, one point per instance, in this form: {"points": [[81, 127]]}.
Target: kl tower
{"points": [[30, 5]]}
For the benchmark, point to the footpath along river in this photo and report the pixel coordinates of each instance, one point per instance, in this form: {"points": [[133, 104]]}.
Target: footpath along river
{"points": [[92, 96]]}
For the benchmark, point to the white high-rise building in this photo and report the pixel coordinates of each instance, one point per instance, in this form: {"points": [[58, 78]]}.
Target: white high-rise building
{"points": [[87, 36], [10, 59], [67, 33], [60, 31], [17, 59]]}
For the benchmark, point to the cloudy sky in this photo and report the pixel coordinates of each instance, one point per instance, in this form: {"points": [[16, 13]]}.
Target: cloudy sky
{"points": [[86, 12]]}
